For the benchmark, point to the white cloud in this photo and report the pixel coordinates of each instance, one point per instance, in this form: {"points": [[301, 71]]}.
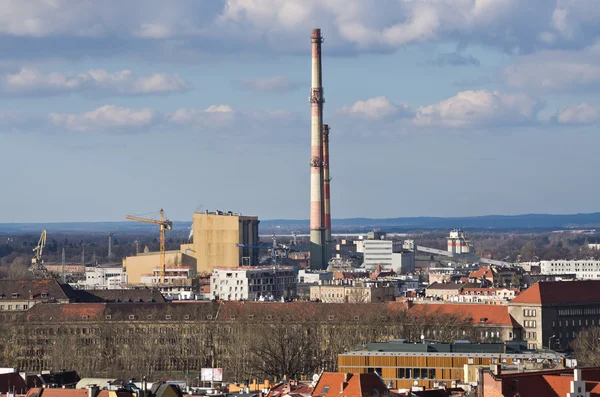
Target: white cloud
{"points": [[479, 108], [375, 108], [212, 115], [106, 118], [556, 70], [269, 84], [93, 82], [156, 28], [577, 114]]}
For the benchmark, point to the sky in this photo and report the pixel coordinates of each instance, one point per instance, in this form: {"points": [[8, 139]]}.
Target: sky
{"points": [[436, 107]]}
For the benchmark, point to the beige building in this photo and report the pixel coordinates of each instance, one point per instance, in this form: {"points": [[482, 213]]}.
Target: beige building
{"points": [[217, 237], [147, 263], [20, 295], [352, 293]]}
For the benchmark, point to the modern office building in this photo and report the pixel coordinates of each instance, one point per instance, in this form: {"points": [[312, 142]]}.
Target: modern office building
{"points": [[253, 283], [105, 276], [582, 269]]}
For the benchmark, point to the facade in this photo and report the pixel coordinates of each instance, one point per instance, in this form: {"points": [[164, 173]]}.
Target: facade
{"points": [[486, 295], [20, 295], [403, 262], [253, 283], [552, 313], [582, 269], [389, 255], [425, 364], [174, 275], [105, 276], [357, 293], [444, 291], [217, 239], [305, 276], [147, 262]]}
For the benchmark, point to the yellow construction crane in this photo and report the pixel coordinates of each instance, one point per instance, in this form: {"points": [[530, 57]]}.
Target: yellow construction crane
{"points": [[165, 225], [36, 261]]}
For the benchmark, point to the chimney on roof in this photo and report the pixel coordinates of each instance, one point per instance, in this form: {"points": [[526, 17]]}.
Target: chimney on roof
{"points": [[93, 390]]}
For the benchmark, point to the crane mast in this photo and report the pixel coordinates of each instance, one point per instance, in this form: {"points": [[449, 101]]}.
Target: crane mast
{"points": [[164, 225], [36, 261]]}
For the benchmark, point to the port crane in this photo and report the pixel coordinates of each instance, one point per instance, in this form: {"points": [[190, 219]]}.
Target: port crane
{"points": [[37, 262], [165, 225]]}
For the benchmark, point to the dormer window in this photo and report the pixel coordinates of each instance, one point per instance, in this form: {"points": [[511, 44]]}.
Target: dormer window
{"points": [[84, 317], [15, 295], [44, 295]]}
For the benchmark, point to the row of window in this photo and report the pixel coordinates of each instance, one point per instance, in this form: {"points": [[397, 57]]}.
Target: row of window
{"points": [[529, 323], [529, 313], [530, 335], [416, 373], [16, 307], [573, 323]]}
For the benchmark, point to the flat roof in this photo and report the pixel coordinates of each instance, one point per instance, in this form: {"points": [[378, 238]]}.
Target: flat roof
{"points": [[524, 356]]}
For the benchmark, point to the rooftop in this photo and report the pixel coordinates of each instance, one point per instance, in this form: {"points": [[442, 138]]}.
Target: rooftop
{"points": [[477, 313], [561, 292], [38, 289]]}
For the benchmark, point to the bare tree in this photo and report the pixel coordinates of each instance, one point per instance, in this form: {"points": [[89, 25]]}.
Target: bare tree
{"points": [[586, 347]]}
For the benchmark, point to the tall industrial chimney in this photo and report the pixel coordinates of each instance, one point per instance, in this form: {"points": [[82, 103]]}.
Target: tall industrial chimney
{"points": [[326, 194], [317, 210]]}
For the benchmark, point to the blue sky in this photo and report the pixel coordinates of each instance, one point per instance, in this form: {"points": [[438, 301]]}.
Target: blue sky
{"points": [[436, 108]]}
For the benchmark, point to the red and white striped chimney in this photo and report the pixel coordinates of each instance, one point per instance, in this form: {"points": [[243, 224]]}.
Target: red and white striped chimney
{"points": [[326, 193], [317, 210]]}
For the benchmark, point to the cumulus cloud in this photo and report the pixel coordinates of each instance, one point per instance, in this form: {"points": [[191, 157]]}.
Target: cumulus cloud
{"points": [[562, 70], [276, 84], [375, 108], [204, 28], [106, 118], [92, 82], [577, 114], [480, 108], [455, 59]]}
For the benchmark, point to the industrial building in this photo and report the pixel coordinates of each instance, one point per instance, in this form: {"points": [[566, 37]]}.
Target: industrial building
{"points": [[429, 363], [253, 283], [389, 255], [458, 243], [220, 239], [105, 276]]}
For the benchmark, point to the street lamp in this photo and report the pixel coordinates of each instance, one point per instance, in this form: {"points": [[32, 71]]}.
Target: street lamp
{"points": [[550, 342]]}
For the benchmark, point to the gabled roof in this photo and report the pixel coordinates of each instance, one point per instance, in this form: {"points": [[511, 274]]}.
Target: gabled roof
{"points": [[12, 381], [493, 314], [37, 289], [335, 384], [557, 292]]}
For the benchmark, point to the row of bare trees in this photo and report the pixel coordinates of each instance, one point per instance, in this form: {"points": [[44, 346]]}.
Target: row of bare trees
{"points": [[246, 350]]}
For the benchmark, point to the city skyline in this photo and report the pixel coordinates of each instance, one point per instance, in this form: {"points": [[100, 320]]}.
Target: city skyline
{"points": [[435, 109]]}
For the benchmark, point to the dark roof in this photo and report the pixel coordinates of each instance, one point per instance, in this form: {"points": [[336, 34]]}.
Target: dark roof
{"points": [[561, 292], [135, 295], [12, 381], [252, 312], [36, 289], [57, 378]]}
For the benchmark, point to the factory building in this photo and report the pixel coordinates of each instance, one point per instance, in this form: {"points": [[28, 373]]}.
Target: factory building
{"points": [[389, 255], [582, 269], [149, 262], [224, 239], [105, 276], [458, 243]]}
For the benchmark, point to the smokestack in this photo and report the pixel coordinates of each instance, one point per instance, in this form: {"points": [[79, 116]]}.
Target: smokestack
{"points": [[326, 193], [317, 211]]}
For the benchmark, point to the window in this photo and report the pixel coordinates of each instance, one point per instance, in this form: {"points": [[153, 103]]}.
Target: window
{"points": [[431, 373], [132, 316], [84, 317], [168, 317], [417, 373], [9, 307], [325, 389], [25, 307], [401, 373], [18, 307], [187, 317], [330, 317], [107, 317]]}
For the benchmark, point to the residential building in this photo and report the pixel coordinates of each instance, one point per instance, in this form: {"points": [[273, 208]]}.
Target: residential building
{"points": [[289, 389], [307, 276], [486, 295], [404, 365], [174, 275], [582, 269], [444, 291], [253, 283], [335, 384], [105, 276], [20, 295], [490, 322], [552, 313], [584, 382], [357, 292]]}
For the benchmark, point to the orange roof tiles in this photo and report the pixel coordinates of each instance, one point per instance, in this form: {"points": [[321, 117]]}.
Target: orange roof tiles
{"points": [[334, 384], [556, 292], [485, 272], [495, 314]]}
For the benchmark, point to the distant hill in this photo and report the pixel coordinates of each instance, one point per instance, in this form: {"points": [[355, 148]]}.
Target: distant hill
{"points": [[488, 222]]}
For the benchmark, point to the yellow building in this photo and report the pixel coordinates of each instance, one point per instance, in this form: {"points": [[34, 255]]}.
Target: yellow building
{"points": [[217, 236], [216, 239]]}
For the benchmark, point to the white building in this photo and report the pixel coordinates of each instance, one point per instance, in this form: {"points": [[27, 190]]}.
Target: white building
{"points": [[253, 283], [458, 243], [389, 255], [173, 275], [582, 269], [105, 276], [305, 276]]}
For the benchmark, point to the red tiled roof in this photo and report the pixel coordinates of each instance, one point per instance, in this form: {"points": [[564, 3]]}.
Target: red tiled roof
{"points": [[65, 393], [556, 383], [495, 314], [66, 311], [482, 272], [556, 292], [23, 289], [334, 384]]}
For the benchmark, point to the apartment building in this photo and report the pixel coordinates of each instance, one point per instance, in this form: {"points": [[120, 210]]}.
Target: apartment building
{"points": [[360, 292], [253, 283], [582, 269], [20, 295], [552, 313]]}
